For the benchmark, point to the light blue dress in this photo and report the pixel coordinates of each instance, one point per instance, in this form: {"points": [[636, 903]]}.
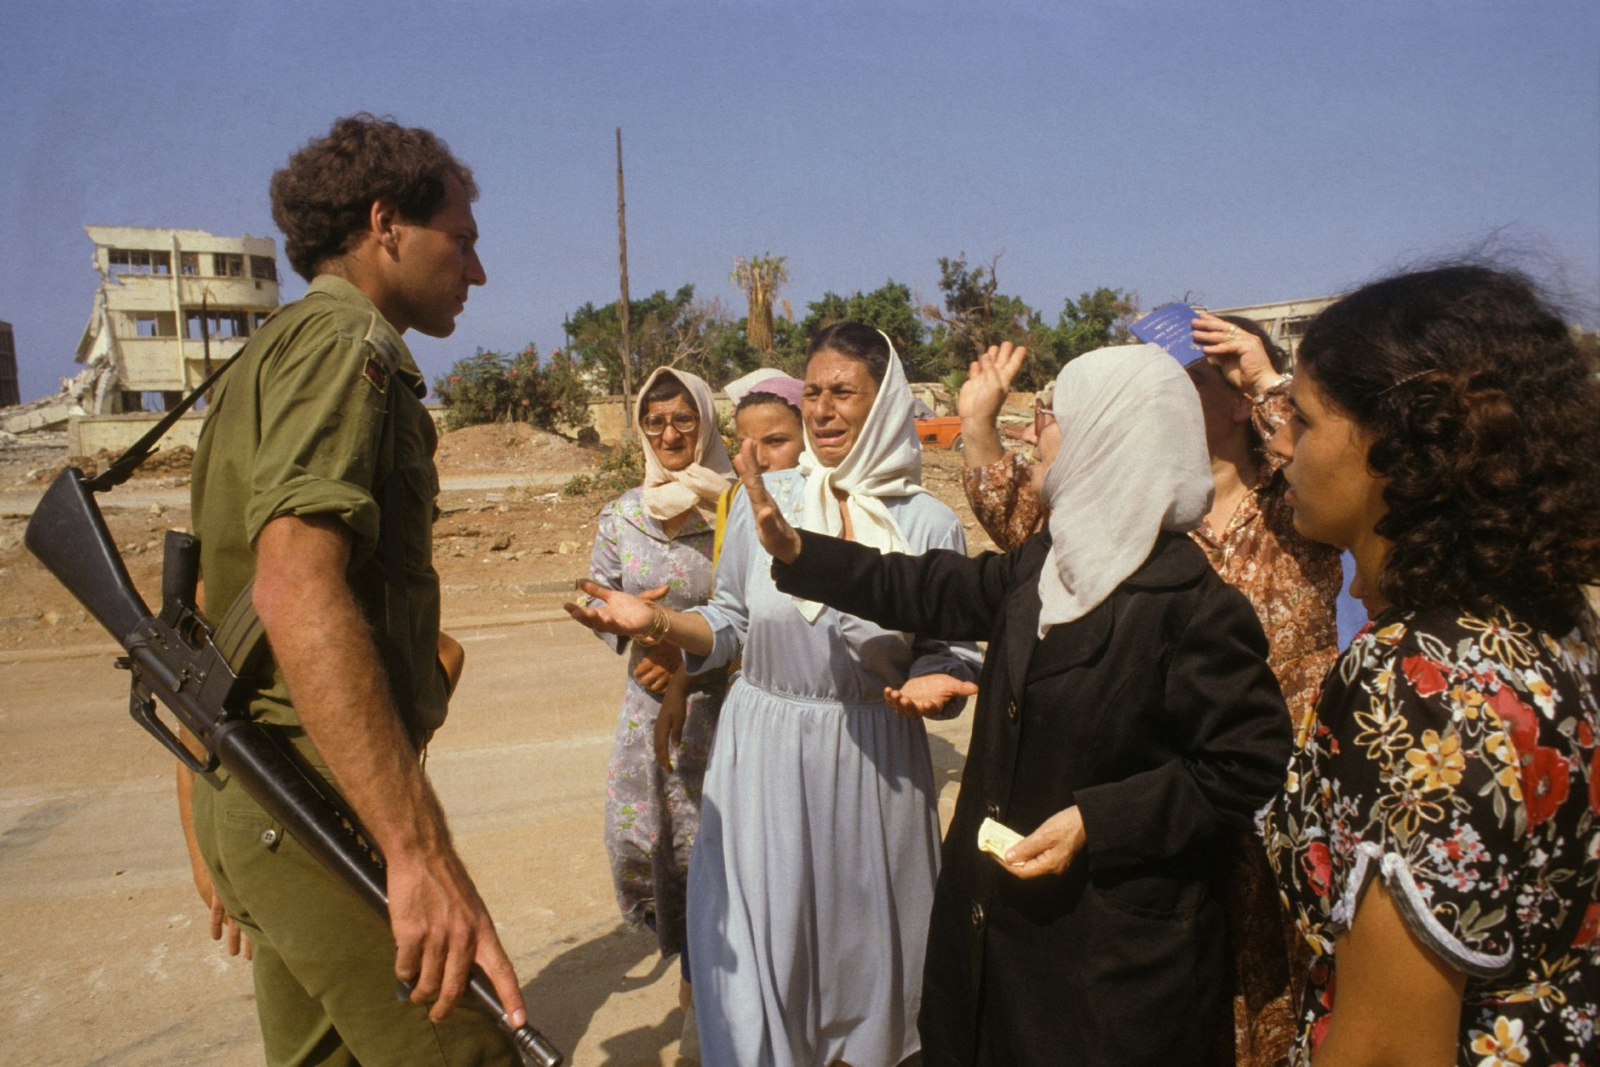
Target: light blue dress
{"points": [[813, 873]]}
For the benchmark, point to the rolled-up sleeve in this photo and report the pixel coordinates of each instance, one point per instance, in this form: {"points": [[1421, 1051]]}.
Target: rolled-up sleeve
{"points": [[321, 422]]}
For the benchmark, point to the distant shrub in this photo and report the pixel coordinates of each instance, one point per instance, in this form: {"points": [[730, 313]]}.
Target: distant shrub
{"points": [[496, 387], [619, 470]]}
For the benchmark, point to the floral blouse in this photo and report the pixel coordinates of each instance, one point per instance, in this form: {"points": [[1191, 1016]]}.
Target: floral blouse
{"points": [[1454, 756]]}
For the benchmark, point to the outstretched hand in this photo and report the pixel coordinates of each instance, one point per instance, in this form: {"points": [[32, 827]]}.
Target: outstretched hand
{"points": [[988, 383], [777, 536], [925, 694], [617, 613]]}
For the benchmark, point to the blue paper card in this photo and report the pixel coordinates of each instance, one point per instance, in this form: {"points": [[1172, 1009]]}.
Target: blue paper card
{"points": [[1168, 326]]}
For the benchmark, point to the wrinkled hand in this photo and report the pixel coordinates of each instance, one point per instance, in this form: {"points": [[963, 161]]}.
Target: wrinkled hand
{"points": [[777, 536], [925, 694], [1239, 354], [988, 383], [618, 613], [669, 723], [656, 666], [1048, 850], [441, 928]]}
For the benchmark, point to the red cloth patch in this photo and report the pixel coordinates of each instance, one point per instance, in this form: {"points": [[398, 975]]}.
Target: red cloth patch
{"points": [[376, 373]]}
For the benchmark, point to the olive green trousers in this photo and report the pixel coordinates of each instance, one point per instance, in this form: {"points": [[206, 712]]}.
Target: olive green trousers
{"points": [[323, 959]]}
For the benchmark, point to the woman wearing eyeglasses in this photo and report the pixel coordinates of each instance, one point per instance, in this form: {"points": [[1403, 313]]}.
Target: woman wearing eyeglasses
{"points": [[819, 842], [655, 541]]}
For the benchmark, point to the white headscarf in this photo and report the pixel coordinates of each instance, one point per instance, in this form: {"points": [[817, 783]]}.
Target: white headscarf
{"points": [[739, 388], [1133, 463], [668, 493], [886, 460]]}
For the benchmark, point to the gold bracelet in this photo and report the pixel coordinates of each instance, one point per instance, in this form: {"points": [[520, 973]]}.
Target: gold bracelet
{"points": [[658, 629]]}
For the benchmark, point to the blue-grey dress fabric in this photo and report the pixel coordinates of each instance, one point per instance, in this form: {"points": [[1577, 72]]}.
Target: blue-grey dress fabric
{"points": [[813, 873]]}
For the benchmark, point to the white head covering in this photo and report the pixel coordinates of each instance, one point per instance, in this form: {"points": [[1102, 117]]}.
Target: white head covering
{"points": [[886, 460], [1133, 463], [740, 387], [668, 493]]}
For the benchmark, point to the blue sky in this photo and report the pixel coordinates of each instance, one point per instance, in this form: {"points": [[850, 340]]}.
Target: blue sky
{"points": [[1254, 152]]}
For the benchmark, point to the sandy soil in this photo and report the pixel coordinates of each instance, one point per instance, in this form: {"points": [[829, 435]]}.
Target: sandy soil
{"points": [[105, 958]]}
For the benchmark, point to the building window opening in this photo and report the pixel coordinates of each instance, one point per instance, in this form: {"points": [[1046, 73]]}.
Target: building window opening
{"points": [[139, 261], [263, 267], [155, 324], [189, 263], [227, 264], [221, 325]]}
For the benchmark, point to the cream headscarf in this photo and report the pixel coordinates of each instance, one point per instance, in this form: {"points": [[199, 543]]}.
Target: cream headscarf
{"points": [[1133, 463], [668, 493], [886, 460]]}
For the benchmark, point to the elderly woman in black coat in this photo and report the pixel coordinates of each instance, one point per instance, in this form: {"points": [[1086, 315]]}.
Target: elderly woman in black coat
{"points": [[1127, 722]]}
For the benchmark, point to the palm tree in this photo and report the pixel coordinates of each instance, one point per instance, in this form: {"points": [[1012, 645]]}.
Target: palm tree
{"points": [[759, 277]]}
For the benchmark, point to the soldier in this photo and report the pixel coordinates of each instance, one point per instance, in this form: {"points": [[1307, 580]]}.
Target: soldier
{"points": [[314, 477]]}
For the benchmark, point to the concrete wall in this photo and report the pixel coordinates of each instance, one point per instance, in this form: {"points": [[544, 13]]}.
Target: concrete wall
{"points": [[89, 434]]}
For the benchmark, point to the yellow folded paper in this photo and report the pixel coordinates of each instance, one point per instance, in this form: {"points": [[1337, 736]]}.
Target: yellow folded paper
{"points": [[997, 839]]}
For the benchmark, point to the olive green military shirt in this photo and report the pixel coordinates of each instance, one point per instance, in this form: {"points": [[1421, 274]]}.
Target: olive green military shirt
{"points": [[297, 428]]}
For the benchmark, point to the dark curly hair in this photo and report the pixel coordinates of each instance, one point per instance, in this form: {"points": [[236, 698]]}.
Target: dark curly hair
{"points": [[322, 199], [1483, 414]]}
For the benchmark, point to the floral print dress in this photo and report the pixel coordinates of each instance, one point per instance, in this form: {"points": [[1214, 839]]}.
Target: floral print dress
{"points": [[1454, 756], [651, 816]]}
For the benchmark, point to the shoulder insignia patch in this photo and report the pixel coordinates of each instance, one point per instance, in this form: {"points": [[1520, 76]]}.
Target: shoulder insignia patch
{"points": [[376, 374]]}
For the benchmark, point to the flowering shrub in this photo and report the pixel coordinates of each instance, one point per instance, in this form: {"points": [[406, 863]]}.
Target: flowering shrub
{"points": [[496, 387]]}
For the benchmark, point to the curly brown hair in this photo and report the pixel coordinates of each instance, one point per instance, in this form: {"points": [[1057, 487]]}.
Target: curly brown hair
{"points": [[322, 199], [1483, 414]]}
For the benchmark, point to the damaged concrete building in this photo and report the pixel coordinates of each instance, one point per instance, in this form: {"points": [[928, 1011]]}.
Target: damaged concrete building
{"points": [[166, 297]]}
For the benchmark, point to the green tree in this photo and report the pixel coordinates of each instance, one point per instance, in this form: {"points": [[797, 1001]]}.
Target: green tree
{"points": [[976, 315], [1094, 320], [496, 387], [888, 308], [664, 331]]}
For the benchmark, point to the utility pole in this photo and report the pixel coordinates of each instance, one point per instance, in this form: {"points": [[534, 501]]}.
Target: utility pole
{"points": [[205, 336], [623, 348]]}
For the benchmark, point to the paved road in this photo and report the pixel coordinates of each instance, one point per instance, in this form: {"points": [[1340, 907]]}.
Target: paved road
{"points": [[22, 502]]}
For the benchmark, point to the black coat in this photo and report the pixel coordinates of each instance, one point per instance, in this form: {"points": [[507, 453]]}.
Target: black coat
{"points": [[1157, 716]]}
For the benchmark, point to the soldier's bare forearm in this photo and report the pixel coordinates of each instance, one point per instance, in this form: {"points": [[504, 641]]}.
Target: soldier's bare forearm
{"points": [[321, 642]]}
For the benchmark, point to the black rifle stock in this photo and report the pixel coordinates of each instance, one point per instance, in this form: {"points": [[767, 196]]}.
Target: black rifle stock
{"points": [[176, 659]]}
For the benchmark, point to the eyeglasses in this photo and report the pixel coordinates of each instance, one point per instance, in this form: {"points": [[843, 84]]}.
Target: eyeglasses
{"points": [[1042, 416], [683, 421]]}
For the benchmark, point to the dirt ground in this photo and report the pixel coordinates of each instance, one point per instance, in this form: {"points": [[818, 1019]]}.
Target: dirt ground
{"points": [[105, 957]]}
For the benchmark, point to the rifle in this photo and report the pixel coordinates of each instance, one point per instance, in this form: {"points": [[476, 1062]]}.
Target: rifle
{"points": [[202, 675]]}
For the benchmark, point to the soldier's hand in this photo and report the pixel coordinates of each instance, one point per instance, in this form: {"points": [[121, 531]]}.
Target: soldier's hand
{"points": [[441, 928], [237, 940]]}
